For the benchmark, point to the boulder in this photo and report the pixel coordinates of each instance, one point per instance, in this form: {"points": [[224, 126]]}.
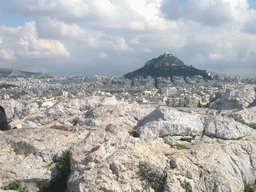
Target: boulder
{"points": [[238, 98], [112, 160], [247, 115], [169, 122], [122, 115], [26, 154]]}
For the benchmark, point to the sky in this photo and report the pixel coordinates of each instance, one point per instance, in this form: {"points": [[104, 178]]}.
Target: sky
{"points": [[113, 37]]}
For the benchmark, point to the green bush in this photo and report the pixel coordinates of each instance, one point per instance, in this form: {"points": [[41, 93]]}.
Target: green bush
{"points": [[74, 122], [60, 182], [134, 134], [187, 187], [153, 174], [251, 125], [64, 167], [248, 187], [15, 186]]}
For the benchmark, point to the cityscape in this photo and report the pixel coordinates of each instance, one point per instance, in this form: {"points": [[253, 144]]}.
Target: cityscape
{"points": [[173, 92]]}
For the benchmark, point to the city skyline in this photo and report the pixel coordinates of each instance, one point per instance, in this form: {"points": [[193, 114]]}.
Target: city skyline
{"points": [[106, 37]]}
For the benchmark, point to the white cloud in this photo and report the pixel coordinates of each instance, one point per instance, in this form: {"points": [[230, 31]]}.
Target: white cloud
{"points": [[120, 45], [208, 12], [24, 42], [146, 50], [84, 31], [55, 29], [215, 56], [103, 55], [132, 14], [136, 40], [7, 55]]}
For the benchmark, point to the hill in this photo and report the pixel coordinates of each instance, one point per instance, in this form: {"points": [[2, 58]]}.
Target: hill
{"points": [[167, 65], [17, 73]]}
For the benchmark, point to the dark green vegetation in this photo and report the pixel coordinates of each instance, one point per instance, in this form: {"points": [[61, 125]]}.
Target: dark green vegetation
{"points": [[187, 187], [154, 175], [180, 146], [248, 187], [187, 139], [166, 66], [60, 182], [16, 187], [251, 125], [74, 122], [134, 134]]}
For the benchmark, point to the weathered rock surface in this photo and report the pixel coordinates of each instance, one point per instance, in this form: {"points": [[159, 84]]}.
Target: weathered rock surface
{"points": [[203, 149], [110, 161], [89, 111], [123, 115], [26, 153], [247, 115], [239, 98], [170, 122], [18, 109], [219, 158]]}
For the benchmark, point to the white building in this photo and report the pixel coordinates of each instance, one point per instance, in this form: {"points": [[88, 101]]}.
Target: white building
{"points": [[169, 91]]}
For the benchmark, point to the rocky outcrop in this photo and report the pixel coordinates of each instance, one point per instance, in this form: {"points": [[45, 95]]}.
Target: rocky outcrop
{"points": [[89, 111], [26, 154], [18, 109], [220, 156], [169, 122], [247, 115], [111, 161], [168, 149], [124, 115], [238, 98]]}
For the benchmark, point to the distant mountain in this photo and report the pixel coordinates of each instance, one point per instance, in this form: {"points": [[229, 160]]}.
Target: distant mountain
{"points": [[17, 73], [167, 65]]}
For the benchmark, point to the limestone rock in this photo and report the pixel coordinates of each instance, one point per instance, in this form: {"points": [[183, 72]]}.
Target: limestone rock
{"points": [[225, 128], [169, 122], [110, 161], [90, 111], [18, 109], [26, 153], [247, 115], [123, 115], [238, 98]]}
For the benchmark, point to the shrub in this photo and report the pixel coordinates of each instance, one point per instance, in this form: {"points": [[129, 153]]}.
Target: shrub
{"points": [[187, 187], [74, 122], [153, 174], [64, 167], [134, 134], [248, 187], [15, 186], [60, 182], [251, 125]]}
